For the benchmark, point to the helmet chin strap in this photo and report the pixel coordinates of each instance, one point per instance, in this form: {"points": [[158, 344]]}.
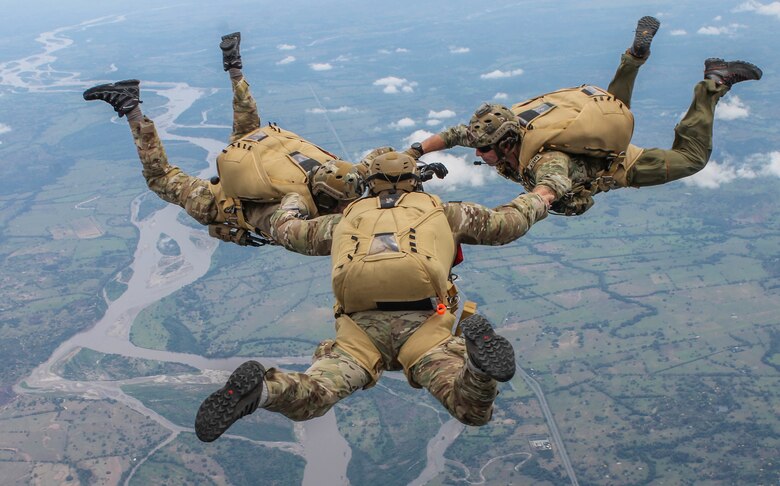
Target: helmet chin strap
{"points": [[501, 153]]}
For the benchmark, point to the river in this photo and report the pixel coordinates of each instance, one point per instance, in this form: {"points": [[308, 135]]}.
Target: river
{"points": [[326, 452]]}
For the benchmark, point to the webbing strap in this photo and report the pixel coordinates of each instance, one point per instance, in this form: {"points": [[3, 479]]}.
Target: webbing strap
{"points": [[525, 118]]}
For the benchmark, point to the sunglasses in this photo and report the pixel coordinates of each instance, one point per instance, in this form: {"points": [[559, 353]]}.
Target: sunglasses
{"points": [[485, 149]]}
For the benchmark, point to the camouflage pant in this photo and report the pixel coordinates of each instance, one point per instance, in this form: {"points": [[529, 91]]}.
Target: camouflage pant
{"points": [[692, 145], [245, 116], [168, 181], [334, 374], [189, 192]]}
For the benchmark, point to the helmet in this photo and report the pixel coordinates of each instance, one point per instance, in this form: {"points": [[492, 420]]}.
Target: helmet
{"points": [[334, 182], [490, 124], [393, 171]]}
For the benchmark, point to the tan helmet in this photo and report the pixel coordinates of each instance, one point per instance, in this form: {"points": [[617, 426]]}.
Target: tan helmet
{"points": [[334, 182], [393, 171], [491, 123]]}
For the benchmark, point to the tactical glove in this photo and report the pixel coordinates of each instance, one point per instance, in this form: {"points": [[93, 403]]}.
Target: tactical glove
{"points": [[415, 151], [571, 205], [429, 170]]}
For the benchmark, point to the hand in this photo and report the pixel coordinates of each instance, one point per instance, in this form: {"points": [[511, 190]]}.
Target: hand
{"points": [[415, 151], [429, 170], [573, 205], [293, 203]]}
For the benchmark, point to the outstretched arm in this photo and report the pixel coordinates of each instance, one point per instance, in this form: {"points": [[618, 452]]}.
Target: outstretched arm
{"points": [[474, 224], [451, 137], [291, 229]]}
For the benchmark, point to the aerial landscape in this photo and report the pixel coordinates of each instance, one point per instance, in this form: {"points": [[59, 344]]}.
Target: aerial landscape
{"points": [[646, 330]]}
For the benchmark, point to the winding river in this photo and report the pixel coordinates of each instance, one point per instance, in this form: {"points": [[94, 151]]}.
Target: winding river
{"points": [[326, 452]]}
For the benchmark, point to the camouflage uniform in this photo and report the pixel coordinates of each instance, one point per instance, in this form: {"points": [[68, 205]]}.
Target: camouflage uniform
{"points": [[193, 194], [642, 167], [442, 371]]}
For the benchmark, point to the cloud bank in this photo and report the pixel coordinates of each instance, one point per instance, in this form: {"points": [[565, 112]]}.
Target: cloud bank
{"points": [[730, 29], [405, 122], [441, 115], [772, 8], [716, 173], [498, 74], [393, 85], [340, 109], [731, 109]]}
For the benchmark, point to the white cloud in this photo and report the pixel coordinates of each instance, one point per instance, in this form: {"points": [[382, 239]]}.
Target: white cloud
{"points": [[716, 174], [459, 50], [773, 167], [718, 18], [498, 74], [321, 66], [500, 96], [679, 32], [405, 122], [402, 49], [441, 114], [286, 60], [394, 84], [384, 51], [416, 136], [4, 128], [285, 47], [433, 123], [760, 8], [730, 29], [731, 108], [340, 109]]}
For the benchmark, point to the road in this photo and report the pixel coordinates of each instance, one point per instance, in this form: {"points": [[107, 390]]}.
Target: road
{"points": [[554, 433]]}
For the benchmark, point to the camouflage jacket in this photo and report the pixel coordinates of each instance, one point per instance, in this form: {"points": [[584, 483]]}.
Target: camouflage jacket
{"points": [[561, 172], [471, 223]]}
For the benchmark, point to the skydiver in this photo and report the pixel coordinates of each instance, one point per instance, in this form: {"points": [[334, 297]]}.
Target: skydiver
{"points": [[498, 134], [238, 207], [392, 253]]}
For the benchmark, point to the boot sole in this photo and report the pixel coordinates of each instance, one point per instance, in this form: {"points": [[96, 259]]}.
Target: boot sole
{"points": [[490, 352], [118, 87], [646, 29], [238, 398]]}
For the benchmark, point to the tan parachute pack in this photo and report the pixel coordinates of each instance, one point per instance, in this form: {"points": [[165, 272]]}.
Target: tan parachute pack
{"points": [[267, 164], [582, 120], [391, 250]]}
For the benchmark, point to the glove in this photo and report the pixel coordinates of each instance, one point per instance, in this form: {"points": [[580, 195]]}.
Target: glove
{"points": [[572, 205], [413, 152], [436, 168]]}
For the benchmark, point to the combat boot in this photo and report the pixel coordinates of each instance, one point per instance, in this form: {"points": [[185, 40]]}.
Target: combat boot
{"points": [[490, 353], [730, 72], [122, 95], [646, 28], [231, 57], [239, 397]]}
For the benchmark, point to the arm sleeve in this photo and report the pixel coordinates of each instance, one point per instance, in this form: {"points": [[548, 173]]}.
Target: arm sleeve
{"points": [[552, 169], [456, 136], [474, 224], [304, 236]]}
